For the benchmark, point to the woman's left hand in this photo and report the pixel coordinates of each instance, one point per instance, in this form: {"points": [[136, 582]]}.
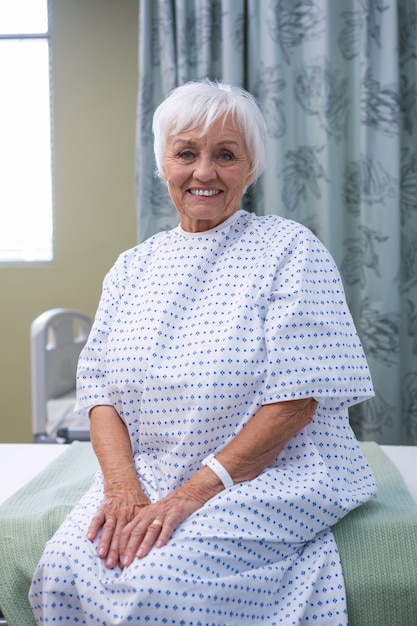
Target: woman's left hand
{"points": [[154, 526]]}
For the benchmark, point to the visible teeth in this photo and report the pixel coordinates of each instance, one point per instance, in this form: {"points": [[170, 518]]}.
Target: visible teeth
{"points": [[204, 192]]}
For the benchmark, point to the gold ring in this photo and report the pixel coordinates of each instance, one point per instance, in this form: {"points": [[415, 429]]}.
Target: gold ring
{"points": [[157, 522]]}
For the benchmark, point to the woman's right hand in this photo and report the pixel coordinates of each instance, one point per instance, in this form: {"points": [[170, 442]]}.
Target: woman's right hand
{"points": [[123, 495], [119, 508]]}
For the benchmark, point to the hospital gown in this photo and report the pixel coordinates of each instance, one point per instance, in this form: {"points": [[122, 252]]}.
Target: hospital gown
{"points": [[194, 332]]}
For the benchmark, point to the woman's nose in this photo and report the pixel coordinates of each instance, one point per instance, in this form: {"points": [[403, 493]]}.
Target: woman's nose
{"points": [[205, 169]]}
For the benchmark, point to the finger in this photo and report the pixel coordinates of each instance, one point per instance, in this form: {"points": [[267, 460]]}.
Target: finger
{"points": [[125, 537], [95, 525], [113, 554], [106, 538], [132, 536], [165, 534], [151, 537]]}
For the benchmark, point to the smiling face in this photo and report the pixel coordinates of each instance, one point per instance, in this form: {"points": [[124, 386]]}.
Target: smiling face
{"points": [[207, 174]]}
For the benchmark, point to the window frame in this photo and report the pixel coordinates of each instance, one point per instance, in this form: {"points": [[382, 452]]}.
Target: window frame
{"points": [[47, 37]]}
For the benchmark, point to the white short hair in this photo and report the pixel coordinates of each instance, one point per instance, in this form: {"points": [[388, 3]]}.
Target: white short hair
{"points": [[201, 103]]}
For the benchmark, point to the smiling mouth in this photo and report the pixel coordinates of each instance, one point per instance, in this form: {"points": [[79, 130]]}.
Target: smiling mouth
{"points": [[208, 193]]}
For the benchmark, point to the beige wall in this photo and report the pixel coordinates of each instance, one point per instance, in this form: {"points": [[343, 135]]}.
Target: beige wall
{"points": [[94, 47]]}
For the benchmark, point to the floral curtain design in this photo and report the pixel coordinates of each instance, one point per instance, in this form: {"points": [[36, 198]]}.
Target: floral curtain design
{"points": [[337, 82]]}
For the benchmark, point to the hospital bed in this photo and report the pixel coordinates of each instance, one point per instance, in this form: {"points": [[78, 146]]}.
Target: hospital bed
{"points": [[57, 337], [377, 542], [40, 483]]}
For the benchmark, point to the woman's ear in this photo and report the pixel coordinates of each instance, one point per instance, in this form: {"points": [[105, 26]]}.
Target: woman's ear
{"points": [[250, 178]]}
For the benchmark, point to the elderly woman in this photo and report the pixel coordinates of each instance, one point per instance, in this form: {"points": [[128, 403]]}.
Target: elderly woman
{"points": [[217, 376]]}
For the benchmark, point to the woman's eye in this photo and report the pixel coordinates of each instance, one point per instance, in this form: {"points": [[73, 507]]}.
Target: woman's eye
{"points": [[225, 156], [186, 154]]}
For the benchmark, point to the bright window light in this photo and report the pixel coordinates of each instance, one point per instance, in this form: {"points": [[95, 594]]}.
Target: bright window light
{"points": [[23, 17], [26, 214]]}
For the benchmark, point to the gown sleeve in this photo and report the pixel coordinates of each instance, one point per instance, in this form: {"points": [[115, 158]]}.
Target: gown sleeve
{"points": [[312, 344], [91, 372]]}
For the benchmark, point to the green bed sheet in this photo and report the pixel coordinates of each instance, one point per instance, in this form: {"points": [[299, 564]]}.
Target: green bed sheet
{"points": [[377, 542]]}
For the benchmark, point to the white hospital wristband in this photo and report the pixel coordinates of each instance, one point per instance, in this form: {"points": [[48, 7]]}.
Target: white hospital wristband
{"points": [[219, 470]]}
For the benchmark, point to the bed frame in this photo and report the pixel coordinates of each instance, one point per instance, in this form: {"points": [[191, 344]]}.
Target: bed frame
{"points": [[57, 337]]}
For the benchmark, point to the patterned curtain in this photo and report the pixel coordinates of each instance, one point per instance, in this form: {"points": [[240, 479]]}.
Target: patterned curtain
{"points": [[336, 80]]}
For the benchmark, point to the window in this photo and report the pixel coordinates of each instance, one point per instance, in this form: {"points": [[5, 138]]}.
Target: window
{"points": [[26, 214]]}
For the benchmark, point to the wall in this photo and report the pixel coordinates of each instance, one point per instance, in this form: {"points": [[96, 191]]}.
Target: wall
{"points": [[94, 73]]}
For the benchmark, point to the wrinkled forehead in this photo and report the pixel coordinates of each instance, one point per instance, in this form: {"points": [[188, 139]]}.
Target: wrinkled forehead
{"points": [[205, 124], [222, 133]]}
